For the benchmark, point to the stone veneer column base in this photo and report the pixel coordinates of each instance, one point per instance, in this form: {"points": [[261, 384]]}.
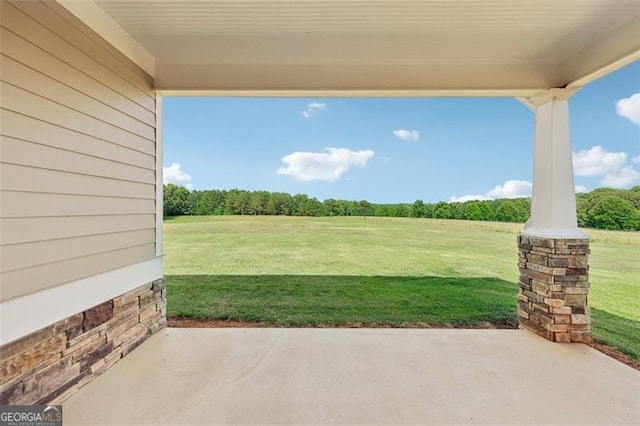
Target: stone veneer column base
{"points": [[554, 287], [46, 366]]}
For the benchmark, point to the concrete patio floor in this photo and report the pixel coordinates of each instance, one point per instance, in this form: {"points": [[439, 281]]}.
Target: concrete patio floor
{"points": [[347, 376]]}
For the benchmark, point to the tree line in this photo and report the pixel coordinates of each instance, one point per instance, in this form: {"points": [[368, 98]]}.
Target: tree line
{"points": [[602, 208]]}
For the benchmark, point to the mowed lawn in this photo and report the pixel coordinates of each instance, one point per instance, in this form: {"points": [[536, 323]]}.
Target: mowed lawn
{"points": [[401, 272]]}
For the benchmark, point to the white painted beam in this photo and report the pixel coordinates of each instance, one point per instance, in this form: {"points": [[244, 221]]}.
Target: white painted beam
{"points": [[369, 93], [508, 80]]}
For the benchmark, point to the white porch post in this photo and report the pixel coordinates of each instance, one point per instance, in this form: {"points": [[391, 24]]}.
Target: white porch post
{"points": [[553, 203], [553, 262]]}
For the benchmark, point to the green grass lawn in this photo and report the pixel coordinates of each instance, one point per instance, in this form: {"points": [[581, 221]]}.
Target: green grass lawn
{"points": [[378, 271]]}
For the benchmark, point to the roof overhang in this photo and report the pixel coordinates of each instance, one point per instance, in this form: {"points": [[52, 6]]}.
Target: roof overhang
{"points": [[368, 47]]}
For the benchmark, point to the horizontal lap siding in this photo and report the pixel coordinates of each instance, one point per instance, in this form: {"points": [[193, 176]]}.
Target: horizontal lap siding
{"points": [[28, 229], [31, 55], [33, 179], [26, 78], [22, 281], [77, 152], [37, 204], [66, 49], [22, 152], [29, 129], [20, 256], [39, 107]]}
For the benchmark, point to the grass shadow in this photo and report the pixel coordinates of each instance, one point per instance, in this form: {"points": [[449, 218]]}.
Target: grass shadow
{"points": [[616, 331], [327, 300]]}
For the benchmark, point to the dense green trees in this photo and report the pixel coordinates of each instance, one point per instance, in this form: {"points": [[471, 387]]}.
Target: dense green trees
{"points": [[176, 200], [509, 210], [602, 208], [613, 213], [606, 208]]}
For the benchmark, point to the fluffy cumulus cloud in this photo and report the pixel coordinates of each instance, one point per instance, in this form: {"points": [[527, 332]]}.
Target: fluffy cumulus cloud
{"points": [[612, 166], [597, 161], [323, 166], [625, 177], [615, 170], [313, 108], [629, 108], [510, 189], [407, 135], [174, 174]]}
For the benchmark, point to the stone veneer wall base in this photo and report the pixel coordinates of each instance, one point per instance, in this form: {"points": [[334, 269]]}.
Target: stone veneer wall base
{"points": [[554, 288], [48, 365]]}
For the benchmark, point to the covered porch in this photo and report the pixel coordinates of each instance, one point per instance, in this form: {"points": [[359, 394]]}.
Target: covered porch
{"points": [[81, 269]]}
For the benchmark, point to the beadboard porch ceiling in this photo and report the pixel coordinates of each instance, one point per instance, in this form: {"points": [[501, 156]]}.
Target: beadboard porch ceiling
{"points": [[457, 47]]}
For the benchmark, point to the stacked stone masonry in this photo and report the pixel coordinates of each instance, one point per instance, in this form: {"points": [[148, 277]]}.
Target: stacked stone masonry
{"points": [[554, 288], [48, 365]]}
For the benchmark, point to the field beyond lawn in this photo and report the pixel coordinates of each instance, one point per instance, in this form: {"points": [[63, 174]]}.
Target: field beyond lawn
{"points": [[401, 272]]}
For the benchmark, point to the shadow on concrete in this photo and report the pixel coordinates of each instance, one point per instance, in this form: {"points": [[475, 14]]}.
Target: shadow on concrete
{"points": [[328, 300]]}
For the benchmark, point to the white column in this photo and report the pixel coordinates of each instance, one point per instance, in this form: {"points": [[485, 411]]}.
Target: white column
{"points": [[553, 203]]}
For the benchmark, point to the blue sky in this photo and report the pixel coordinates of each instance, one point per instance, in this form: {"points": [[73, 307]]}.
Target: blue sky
{"points": [[396, 150]]}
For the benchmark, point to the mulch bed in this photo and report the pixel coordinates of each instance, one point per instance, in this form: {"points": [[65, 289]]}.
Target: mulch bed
{"points": [[189, 323]]}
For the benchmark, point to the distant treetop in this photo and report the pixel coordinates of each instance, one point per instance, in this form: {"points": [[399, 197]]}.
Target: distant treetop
{"points": [[602, 208]]}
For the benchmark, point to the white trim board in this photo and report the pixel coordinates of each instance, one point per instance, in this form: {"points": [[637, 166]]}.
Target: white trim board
{"points": [[24, 315], [159, 177]]}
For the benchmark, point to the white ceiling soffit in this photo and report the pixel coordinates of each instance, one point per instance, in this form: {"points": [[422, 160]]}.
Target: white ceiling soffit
{"points": [[379, 47]]}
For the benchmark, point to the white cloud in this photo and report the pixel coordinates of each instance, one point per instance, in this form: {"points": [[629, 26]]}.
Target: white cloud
{"points": [[512, 189], [329, 166], [313, 108], [612, 166], [629, 108], [626, 176], [407, 135], [597, 161], [174, 174]]}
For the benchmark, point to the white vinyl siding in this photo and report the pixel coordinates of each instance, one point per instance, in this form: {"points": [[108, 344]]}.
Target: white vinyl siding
{"points": [[44, 109], [27, 129], [77, 152], [25, 281], [33, 56], [21, 152], [28, 229]]}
